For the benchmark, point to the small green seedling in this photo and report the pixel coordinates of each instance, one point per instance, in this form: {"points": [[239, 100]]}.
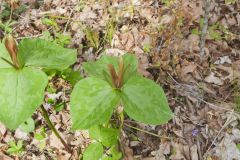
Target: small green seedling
{"points": [[238, 146], [230, 1], [215, 31], [59, 38], [7, 26], [15, 149], [110, 31], [7, 10], [147, 48], [41, 138], [21, 79], [92, 37], [51, 23]]}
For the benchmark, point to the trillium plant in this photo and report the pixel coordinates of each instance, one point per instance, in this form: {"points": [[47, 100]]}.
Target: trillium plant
{"points": [[22, 80], [113, 82], [113, 89]]}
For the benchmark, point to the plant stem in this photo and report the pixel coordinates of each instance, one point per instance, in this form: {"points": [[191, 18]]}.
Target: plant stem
{"points": [[205, 28], [50, 124]]}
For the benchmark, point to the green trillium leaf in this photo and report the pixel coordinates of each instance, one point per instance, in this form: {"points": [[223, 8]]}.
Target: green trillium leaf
{"points": [[96, 68], [45, 54], [92, 102], [130, 66], [107, 136], [21, 92], [145, 101], [93, 152]]}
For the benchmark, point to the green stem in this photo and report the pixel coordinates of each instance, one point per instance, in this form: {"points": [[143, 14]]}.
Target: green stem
{"points": [[50, 124], [9, 63]]}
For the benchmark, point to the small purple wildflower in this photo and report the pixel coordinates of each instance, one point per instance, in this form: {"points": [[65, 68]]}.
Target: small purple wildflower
{"points": [[195, 132]]}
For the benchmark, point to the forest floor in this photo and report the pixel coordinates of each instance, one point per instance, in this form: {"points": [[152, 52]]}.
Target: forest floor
{"points": [[203, 90]]}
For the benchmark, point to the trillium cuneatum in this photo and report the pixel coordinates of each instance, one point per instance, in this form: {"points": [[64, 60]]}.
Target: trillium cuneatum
{"points": [[22, 81], [113, 80]]}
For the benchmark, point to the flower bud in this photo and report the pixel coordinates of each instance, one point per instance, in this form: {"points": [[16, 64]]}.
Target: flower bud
{"points": [[11, 47], [113, 74], [120, 72]]}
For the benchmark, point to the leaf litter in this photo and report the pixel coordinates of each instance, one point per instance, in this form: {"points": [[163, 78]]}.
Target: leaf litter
{"points": [[161, 34]]}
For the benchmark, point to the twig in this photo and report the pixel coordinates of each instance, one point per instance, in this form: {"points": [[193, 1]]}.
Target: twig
{"points": [[32, 36], [204, 29], [147, 132], [11, 12], [50, 124], [69, 18]]}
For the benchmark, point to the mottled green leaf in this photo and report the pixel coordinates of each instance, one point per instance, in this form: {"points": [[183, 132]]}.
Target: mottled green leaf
{"points": [[92, 102], [107, 136], [45, 54], [21, 92], [93, 152], [145, 101]]}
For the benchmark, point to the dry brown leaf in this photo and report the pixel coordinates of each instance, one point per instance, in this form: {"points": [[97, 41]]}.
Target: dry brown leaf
{"points": [[164, 149], [54, 141], [178, 155], [166, 19], [211, 78], [5, 157], [128, 153], [195, 8]]}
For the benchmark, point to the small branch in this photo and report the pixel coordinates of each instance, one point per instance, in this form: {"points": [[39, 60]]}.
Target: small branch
{"points": [[147, 132], [11, 12], [205, 27], [32, 36], [50, 124], [69, 18]]}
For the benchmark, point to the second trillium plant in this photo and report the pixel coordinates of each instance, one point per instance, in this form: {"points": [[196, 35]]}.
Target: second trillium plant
{"points": [[113, 81]]}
